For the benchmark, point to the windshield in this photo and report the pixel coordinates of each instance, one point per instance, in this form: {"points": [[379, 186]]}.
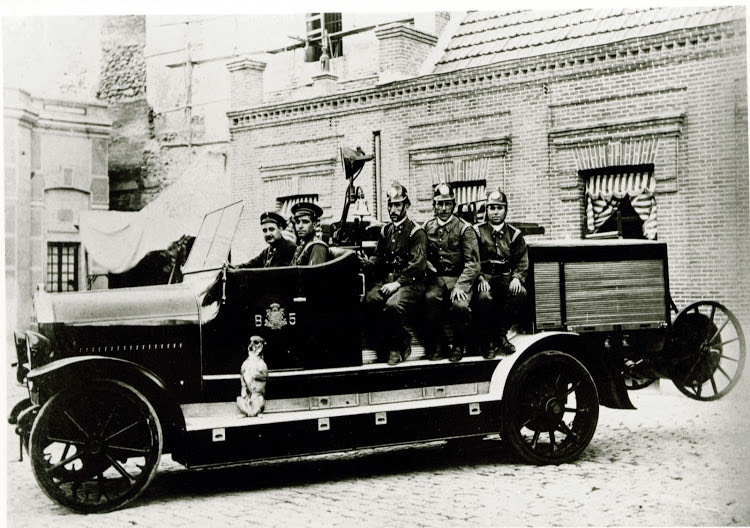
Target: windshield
{"points": [[211, 247]]}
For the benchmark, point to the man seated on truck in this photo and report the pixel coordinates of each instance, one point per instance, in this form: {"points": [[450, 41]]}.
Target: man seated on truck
{"points": [[500, 286], [453, 266], [280, 251], [310, 249], [399, 266]]}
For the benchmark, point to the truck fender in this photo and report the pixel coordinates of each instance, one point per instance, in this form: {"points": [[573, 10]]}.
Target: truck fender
{"points": [[80, 370], [526, 346], [612, 392]]}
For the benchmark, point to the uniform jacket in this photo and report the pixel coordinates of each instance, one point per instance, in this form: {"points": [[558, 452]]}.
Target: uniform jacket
{"points": [[279, 254], [401, 250], [310, 253], [503, 252], [452, 251]]}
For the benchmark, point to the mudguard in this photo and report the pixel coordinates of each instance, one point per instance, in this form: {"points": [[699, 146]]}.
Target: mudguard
{"points": [[81, 370], [611, 387]]}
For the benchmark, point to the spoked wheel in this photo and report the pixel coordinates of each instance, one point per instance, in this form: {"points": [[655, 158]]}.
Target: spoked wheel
{"points": [[709, 339], [95, 449], [551, 408]]}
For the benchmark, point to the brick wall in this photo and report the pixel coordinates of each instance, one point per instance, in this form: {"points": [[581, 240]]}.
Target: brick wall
{"points": [[686, 90]]}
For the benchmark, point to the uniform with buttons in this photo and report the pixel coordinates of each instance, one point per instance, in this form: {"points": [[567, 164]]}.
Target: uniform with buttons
{"points": [[504, 256], [400, 256], [453, 262]]}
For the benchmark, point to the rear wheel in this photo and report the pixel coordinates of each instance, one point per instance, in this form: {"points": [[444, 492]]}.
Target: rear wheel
{"points": [[551, 408], [711, 345], [96, 448]]}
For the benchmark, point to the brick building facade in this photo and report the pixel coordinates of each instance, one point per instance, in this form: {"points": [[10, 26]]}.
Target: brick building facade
{"points": [[653, 97]]}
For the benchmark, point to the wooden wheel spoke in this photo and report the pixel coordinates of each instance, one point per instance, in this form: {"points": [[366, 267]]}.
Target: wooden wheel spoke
{"points": [[130, 449], [106, 423], [552, 441], [574, 410], [67, 441], [534, 440], [563, 428], [723, 343], [713, 385], [110, 437], [718, 332], [76, 424], [573, 389], [64, 462], [729, 358], [120, 469], [724, 372], [687, 376]]}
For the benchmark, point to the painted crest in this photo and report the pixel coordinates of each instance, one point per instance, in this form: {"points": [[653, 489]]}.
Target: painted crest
{"points": [[275, 318]]}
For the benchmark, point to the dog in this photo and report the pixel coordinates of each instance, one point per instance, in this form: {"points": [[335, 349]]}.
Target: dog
{"points": [[253, 375]]}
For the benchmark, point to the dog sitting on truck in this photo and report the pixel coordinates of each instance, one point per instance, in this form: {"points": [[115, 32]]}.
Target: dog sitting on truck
{"points": [[253, 376]]}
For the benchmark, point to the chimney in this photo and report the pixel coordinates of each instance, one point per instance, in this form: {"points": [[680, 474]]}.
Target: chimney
{"points": [[441, 20], [245, 83], [402, 50], [324, 83]]}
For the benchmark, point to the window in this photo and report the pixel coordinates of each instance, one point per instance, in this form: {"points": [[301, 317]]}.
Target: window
{"points": [[316, 23], [62, 267], [620, 202], [470, 192]]}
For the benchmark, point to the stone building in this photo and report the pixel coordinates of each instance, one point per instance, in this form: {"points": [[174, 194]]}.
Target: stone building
{"points": [[55, 167], [596, 122]]}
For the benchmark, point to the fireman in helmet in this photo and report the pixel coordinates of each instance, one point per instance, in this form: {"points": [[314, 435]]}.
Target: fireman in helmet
{"points": [[453, 266], [500, 286], [399, 267]]}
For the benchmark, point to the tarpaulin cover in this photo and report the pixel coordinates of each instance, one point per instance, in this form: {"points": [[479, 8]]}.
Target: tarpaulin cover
{"points": [[116, 241]]}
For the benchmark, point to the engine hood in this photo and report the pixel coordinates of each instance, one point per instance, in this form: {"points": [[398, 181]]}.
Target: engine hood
{"points": [[126, 306]]}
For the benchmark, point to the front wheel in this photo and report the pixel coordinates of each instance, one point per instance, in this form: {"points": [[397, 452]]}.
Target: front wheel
{"points": [[96, 448], [550, 409]]}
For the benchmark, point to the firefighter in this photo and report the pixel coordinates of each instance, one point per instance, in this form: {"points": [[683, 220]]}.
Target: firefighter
{"points": [[500, 286], [280, 251], [399, 266], [310, 249], [453, 266]]}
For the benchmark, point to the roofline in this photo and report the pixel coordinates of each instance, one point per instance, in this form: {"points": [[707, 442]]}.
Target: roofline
{"points": [[621, 55]]}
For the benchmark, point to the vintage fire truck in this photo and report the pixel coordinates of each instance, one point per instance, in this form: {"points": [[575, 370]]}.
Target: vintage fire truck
{"points": [[116, 378]]}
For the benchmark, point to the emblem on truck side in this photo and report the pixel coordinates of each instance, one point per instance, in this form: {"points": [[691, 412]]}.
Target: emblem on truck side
{"points": [[275, 318]]}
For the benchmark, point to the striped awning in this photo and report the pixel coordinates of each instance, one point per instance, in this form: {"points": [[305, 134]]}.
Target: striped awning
{"points": [[459, 170], [605, 191], [609, 186], [286, 202]]}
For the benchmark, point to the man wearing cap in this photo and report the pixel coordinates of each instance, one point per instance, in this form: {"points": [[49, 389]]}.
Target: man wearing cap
{"points": [[453, 266], [500, 290], [399, 266], [310, 250], [280, 251]]}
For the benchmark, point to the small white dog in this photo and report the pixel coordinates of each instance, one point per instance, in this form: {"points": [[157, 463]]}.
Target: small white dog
{"points": [[253, 375]]}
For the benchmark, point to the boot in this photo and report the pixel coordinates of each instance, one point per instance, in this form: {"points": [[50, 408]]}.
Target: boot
{"points": [[503, 345], [488, 350], [394, 358], [457, 353]]}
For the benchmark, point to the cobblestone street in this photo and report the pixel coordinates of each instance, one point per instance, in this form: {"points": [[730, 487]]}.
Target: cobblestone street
{"points": [[674, 461]]}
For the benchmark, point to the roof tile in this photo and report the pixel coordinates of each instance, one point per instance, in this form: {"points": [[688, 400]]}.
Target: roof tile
{"points": [[489, 37]]}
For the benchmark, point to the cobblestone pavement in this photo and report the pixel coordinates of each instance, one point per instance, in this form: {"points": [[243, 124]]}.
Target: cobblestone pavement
{"points": [[674, 461]]}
